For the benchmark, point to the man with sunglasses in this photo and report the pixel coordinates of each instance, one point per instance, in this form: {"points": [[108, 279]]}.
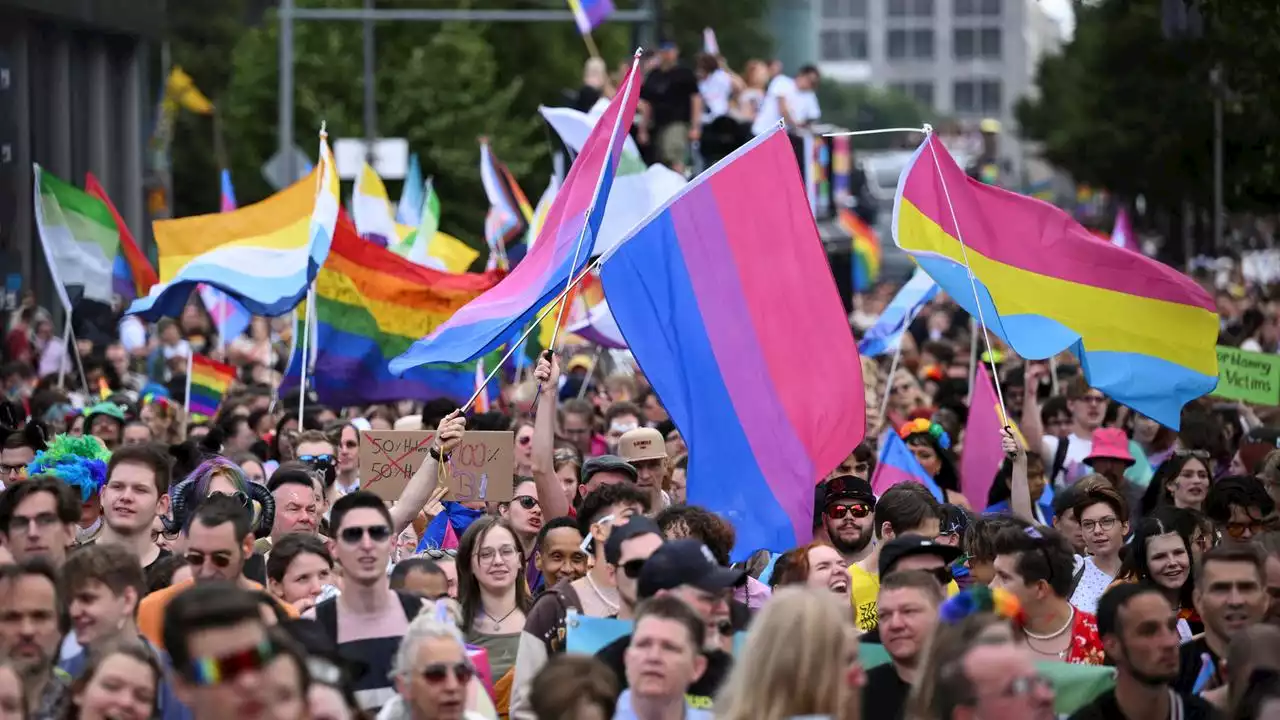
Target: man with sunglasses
{"points": [[316, 452], [845, 511], [218, 642], [905, 509], [1240, 507], [218, 537]]}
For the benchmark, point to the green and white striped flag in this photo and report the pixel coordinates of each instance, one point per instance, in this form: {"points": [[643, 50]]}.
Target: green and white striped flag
{"points": [[79, 238]]}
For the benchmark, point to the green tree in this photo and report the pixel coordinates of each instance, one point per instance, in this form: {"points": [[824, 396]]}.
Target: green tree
{"points": [[861, 107]]}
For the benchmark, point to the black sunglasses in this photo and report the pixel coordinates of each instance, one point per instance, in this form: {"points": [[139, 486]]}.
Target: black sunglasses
{"points": [[632, 568], [353, 535], [196, 559], [528, 502], [319, 460], [439, 672]]}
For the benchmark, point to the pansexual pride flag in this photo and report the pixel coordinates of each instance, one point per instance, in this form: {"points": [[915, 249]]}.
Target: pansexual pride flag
{"points": [[562, 249], [265, 255], [208, 385], [1145, 333], [746, 341], [371, 305], [132, 273]]}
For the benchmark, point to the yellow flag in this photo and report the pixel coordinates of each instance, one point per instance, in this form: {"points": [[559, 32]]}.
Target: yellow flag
{"points": [[181, 90]]}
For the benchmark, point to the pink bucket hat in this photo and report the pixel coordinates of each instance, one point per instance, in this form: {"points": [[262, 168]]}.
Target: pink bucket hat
{"points": [[1110, 444]]}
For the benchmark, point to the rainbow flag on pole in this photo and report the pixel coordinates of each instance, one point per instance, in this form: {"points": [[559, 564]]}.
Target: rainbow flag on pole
{"points": [[1145, 333], [265, 255], [866, 250], [560, 253], [209, 382]]}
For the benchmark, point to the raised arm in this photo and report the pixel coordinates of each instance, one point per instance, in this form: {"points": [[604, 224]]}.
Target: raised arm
{"points": [[550, 497], [1019, 486], [1031, 427], [423, 483]]}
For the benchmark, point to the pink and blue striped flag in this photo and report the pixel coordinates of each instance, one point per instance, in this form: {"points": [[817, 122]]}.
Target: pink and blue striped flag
{"points": [[589, 14], [898, 464], [745, 340], [229, 317], [561, 251]]}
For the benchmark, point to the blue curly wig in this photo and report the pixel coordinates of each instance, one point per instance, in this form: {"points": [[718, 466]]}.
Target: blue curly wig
{"points": [[80, 462]]}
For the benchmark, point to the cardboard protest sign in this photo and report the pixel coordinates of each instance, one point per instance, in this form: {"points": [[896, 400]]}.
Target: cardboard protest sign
{"points": [[480, 469], [1248, 376]]}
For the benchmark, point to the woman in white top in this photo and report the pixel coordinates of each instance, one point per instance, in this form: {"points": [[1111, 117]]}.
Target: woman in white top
{"points": [[1101, 512]]}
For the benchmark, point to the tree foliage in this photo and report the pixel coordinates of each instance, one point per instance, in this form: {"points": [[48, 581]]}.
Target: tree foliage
{"points": [[862, 107]]}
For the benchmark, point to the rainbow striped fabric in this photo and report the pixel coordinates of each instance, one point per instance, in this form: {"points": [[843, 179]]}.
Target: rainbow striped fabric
{"points": [[866, 250], [265, 255], [560, 253], [510, 213], [1145, 333], [209, 382], [371, 305]]}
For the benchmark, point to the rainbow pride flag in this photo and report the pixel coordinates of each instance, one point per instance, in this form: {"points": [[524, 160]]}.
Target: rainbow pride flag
{"points": [[1145, 333], [265, 255], [208, 385], [866, 250], [370, 306], [560, 253], [745, 339], [132, 273]]}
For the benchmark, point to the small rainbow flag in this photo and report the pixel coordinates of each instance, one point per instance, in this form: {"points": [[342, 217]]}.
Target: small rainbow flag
{"points": [[866, 250], [209, 382]]}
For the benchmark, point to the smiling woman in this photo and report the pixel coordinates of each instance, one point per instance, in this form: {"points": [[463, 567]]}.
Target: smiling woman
{"points": [[1161, 554]]}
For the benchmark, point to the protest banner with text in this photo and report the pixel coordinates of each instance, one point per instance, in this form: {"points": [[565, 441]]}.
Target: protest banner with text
{"points": [[1248, 376], [480, 469]]}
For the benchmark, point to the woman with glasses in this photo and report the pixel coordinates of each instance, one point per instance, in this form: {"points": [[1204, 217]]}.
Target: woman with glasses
{"points": [[493, 594], [433, 673], [932, 447], [1161, 554], [1101, 512], [1182, 481]]}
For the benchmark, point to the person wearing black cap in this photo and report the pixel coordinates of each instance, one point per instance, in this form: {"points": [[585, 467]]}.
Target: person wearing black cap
{"points": [[846, 507], [688, 570], [604, 470], [911, 552]]}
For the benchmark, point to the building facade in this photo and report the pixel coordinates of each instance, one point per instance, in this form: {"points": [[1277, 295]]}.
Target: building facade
{"points": [[76, 95]]}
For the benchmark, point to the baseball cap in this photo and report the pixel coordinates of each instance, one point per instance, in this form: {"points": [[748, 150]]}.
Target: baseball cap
{"points": [[636, 526], [642, 444], [686, 562], [607, 463], [907, 545], [849, 487]]}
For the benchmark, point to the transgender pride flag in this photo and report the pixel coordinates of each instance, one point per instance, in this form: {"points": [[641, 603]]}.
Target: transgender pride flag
{"points": [[561, 251]]}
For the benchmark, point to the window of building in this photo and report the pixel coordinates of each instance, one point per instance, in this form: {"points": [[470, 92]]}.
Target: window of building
{"points": [[921, 92], [977, 96], [844, 44], [970, 43], [913, 44], [910, 8], [844, 9], [971, 8]]}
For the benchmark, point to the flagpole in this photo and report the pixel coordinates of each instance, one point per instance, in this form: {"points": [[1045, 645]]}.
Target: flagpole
{"points": [[66, 343], [888, 384], [973, 354], [306, 354], [186, 397], [74, 350]]}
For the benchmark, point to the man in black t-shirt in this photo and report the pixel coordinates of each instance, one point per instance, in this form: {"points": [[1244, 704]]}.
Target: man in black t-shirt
{"points": [[1139, 630], [672, 109], [1230, 596], [907, 606]]}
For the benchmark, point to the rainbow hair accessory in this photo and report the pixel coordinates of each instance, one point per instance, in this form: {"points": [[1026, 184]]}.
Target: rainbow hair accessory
{"points": [[80, 462], [920, 426], [980, 599]]}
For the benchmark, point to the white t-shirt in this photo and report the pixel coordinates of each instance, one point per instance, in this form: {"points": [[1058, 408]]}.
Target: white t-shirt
{"points": [[1073, 467], [1092, 584], [716, 90], [804, 106], [769, 115]]}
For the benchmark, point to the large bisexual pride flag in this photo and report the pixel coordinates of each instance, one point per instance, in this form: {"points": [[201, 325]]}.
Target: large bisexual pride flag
{"points": [[1145, 334], [561, 251], [726, 299], [370, 305]]}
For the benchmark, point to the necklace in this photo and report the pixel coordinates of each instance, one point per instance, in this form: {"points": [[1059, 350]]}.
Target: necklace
{"points": [[497, 621], [613, 606], [1066, 626]]}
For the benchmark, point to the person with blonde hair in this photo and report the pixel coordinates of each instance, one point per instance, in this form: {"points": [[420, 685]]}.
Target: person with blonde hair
{"points": [[794, 662]]}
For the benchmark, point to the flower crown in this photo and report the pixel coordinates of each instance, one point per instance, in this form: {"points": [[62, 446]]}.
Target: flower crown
{"points": [[920, 426], [980, 599], [80, 462]]}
